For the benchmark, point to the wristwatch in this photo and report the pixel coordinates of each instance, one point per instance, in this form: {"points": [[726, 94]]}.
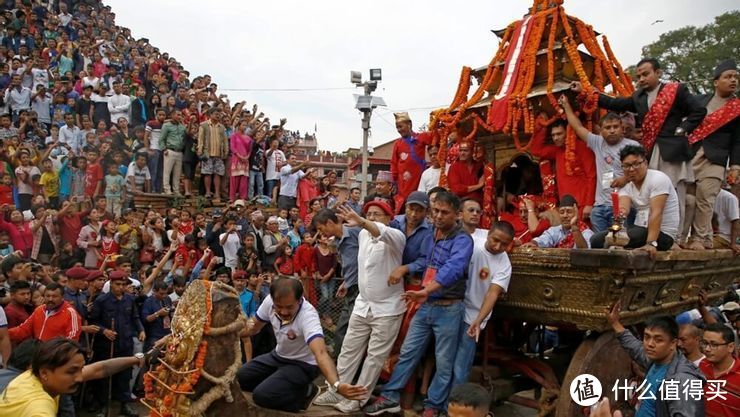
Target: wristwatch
{"points": [[139, 355], [653, 243], [333, 387]]}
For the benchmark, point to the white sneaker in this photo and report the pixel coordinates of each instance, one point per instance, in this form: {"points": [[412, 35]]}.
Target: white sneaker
{"points": [[348, 406], [328, 399]]}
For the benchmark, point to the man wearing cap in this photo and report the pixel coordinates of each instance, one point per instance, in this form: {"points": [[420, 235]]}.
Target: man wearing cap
{"points": [[572, 233], [383, 189], [465, 176], [376, 317], [74, 291], [407, 160], [715, 142], [117, 316], [440, 313], [55, 318]]}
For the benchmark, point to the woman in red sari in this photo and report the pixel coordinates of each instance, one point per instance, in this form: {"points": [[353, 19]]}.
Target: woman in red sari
{"points": [[307, 190]]}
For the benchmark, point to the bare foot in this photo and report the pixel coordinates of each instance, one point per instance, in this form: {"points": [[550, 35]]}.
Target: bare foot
{"points": [[695, 245]]}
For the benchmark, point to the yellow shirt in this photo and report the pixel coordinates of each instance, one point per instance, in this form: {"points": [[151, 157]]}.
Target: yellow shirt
{"points": [[50, 182], [25, 397]]}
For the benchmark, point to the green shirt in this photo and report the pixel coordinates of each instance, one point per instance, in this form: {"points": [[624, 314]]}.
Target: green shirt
{"points": [[172, 137]]}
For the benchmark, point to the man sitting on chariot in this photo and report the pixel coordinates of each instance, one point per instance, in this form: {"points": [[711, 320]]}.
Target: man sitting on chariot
{"points": [[651, 193], [572, 233]]}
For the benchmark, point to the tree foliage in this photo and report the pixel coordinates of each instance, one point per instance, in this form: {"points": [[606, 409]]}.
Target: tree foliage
{"points": [[690, 54]]}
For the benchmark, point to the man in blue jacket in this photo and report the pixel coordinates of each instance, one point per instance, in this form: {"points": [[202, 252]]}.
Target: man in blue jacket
{"points": [[440, 313]]}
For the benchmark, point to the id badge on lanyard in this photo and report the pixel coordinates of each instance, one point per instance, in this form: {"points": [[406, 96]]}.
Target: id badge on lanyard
{"points": [[429, 275]]}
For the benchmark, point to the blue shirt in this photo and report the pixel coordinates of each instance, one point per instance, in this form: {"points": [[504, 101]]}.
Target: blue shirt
{"points": [[155, 330], [554, 235], [78, 299], [248, 303], [417, 244], [450, 256], [348, 248], [127, 323], [654, 377]]}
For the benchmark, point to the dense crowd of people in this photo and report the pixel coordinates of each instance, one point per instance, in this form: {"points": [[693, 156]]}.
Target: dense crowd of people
{"points": [[91, 117]]}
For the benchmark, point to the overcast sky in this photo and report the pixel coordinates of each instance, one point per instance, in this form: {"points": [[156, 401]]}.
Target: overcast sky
{"points": [[420, 46]]}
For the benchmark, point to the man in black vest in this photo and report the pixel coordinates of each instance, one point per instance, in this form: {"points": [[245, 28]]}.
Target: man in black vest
{"points": [[716, 140]]}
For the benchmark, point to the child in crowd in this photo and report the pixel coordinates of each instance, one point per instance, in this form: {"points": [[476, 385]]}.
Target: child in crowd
{"points": [[115, 191], [50, 183], [6, 189], [93, 173], [283, 225], [326, 264], [333, 199], [5, 247], [469, 400], [284, 262], [294, 235], [247, 254], [109, 248]]}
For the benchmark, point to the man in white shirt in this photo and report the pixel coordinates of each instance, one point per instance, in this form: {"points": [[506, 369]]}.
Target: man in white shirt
{"points": [[430, 176], [71, 134], [283, 378], [41, 104], [488, 277], [727, 213], [17, 97], [231, 243], [275, 158], [290, 174], [651, 194], [378, 312], [118, 104]]}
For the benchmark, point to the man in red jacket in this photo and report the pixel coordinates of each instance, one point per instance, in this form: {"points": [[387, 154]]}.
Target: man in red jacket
{"points": [[56, 318], [408, 160], [465, 176], [580, 182]]}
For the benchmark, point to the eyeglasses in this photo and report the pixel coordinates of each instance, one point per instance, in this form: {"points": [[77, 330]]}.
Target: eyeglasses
{"points": [[704, 345], [631, 167]]}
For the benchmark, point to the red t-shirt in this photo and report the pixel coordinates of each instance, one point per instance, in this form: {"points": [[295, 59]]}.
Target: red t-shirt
{"points": [[285, 266], [304, 259], [730, 405], [70, 226], [93, 175], [461, 176], [16, 315], [6, 195]]}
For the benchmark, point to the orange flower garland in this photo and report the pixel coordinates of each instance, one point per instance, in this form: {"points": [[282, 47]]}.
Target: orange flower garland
{"points": [[463, 87], [551, 60], [627, 85]]}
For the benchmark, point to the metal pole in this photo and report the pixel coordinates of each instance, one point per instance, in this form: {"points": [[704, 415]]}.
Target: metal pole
{"points": [[365, 135]]}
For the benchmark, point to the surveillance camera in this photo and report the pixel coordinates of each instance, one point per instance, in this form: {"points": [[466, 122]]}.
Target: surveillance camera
{"points": [[356, 77], [370, 150]]}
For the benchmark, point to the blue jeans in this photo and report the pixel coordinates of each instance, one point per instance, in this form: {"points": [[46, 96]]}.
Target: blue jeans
{"points": [[465, 356], [256, 183], [326, 294], [155, 162], [602, 217], [269, 186], [444, 323]]}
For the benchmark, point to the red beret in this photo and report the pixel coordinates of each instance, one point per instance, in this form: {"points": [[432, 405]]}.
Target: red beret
{"points": [[95, 274], [77, 272], [241, 274], [379, 204], [118, 276]]}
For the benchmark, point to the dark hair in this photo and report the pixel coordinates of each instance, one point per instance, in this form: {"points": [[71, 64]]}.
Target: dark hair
{"points": [[503, 226], [54, 354], [665, 323], [283, 286], [447, 197], [100, 197], [435, 190], [557, 123], [179, 281], [628, 150], [223, 270], [22, 355], [54, 286], [610, 116], [159, 285], [123, 260], [466, 199], [140, 154], [470, 395], [652, 61], [354, 188], [724, 331], [323, 217], [19, 285]]}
